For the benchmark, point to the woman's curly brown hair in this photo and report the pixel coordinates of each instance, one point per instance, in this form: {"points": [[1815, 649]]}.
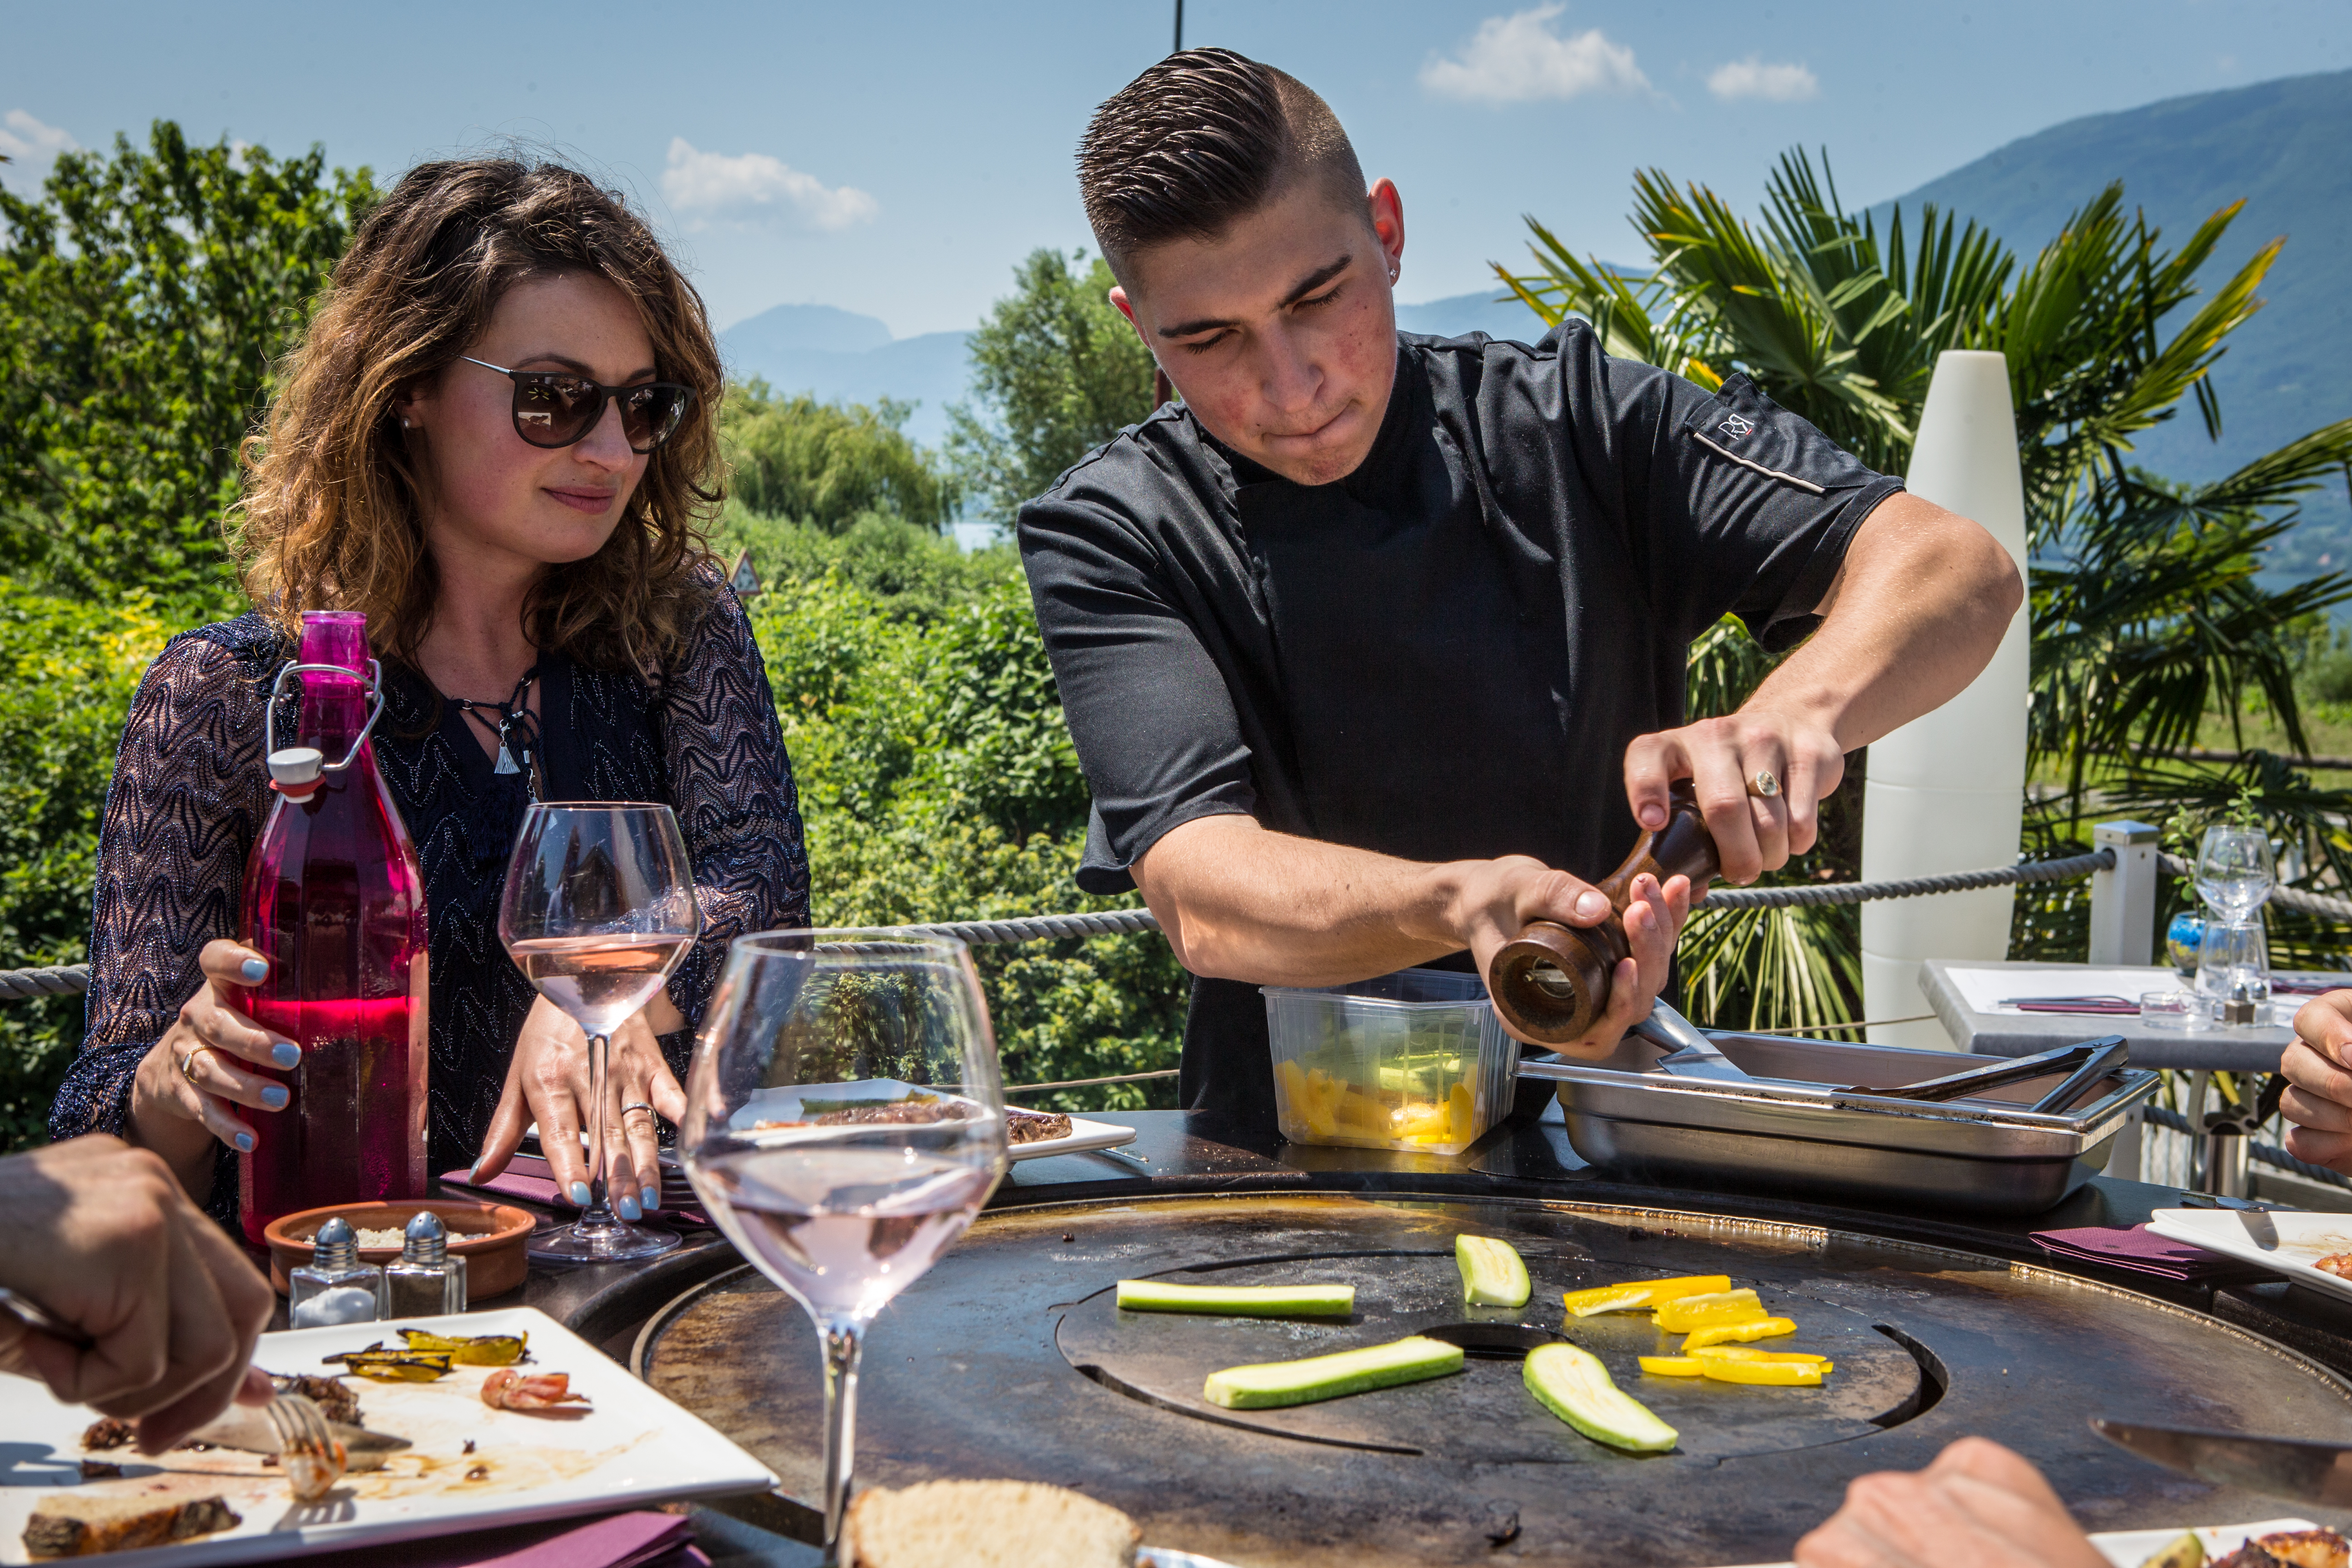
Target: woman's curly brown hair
{"points": [[333, 516]]}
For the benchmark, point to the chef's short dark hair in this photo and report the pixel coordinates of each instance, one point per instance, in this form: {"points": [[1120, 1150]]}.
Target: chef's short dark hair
{"points": [[1205, 137]]}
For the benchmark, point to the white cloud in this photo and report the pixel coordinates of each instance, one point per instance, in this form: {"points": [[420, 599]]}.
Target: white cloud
{"points": [[1751, 78], [31, 147], [714, 184], [1519, 57]]}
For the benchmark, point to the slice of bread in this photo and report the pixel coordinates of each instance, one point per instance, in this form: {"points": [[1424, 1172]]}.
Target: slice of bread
{"points": [[72, 1524], [985, 1524]]}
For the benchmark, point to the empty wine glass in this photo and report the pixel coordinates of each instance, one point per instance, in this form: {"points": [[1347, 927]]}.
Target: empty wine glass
{"points": [[844, 1125], [598, 909], [2234, 870]]}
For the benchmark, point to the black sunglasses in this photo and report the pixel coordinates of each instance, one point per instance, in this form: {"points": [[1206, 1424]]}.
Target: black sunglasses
{"points": [[555, 408]]}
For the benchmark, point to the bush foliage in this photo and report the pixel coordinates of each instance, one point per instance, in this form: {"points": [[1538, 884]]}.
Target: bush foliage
{"points": [[67, 674], [938, 783]]}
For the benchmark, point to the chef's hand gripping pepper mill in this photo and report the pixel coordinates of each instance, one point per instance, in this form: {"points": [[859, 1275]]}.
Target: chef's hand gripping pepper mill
{"points": [[1552, 983]]}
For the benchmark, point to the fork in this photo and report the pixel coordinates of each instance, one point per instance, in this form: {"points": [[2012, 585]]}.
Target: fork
{"points": [[302, 1434]]}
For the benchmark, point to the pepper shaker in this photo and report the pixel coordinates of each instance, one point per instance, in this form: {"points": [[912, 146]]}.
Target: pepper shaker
{"points": [[425, 1281], [1553, 981], [334, 1287]]}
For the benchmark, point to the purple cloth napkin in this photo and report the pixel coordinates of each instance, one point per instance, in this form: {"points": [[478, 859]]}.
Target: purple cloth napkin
{"points": [[2141, 1251], [528, 1176], [640, 1539]]}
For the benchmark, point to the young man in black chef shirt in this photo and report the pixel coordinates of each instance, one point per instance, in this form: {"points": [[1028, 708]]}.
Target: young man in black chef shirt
{"points": [[1373, 646]]}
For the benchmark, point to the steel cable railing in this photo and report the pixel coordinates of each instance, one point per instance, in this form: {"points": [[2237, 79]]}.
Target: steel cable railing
{"points": [[72, 979], [23, 984]]}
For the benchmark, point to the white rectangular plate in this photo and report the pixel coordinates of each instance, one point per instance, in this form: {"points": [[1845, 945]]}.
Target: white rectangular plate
{"points": [[1083, 1136], [634, 1450], [2288, 1243], [785, 1104], [2131, 1548]]}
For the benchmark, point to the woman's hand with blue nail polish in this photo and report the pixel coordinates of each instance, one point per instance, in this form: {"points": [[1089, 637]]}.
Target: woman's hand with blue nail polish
{"points": [[214, 1063], [546, 1083]]}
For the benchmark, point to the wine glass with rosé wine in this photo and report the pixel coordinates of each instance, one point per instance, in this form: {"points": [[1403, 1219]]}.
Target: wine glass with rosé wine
{"points": [[598, 910], [844, 1125]]}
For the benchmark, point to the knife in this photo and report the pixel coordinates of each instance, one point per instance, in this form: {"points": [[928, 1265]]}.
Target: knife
{"points": [[247, 1431], [1693, 1055], [2295, 1467]]}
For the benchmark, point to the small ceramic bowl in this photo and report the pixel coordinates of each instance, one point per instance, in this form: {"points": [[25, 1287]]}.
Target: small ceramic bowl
{"points": [[488, 1236]]}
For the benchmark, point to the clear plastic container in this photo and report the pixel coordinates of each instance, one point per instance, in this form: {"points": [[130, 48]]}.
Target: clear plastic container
{"points": [[1415, 1060]]}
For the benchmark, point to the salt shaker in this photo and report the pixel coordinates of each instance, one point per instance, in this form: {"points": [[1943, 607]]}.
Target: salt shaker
{"points": [[335, 1286], [425, 1281]]}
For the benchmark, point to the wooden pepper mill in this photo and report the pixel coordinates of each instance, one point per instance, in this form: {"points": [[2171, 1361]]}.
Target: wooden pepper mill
{"points": [[1552, 982]]}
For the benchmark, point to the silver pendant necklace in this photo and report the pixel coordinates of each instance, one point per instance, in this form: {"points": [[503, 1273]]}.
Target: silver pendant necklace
{"points": [[514, 727]]}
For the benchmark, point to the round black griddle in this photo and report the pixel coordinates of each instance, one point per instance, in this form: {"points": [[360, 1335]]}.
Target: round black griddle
{"points": [[1011, 1360]]}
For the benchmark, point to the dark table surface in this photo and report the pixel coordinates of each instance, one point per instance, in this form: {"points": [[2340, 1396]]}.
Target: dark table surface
{"points": [[1192, 1153]]}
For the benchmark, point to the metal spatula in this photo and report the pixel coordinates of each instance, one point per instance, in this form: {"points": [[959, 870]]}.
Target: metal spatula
{"points": [[1690, 1054]]}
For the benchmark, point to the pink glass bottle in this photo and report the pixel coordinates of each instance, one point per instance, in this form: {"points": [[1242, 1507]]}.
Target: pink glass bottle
{"points": [[334, 899]]}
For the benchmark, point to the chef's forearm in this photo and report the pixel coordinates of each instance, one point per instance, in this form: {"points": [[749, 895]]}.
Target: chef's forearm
{"points": [[1238, 902], [1913, 616]]}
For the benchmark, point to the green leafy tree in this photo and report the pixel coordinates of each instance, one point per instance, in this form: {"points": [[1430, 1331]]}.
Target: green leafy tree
{"points": [[2145, 613], [67, 670], [828, 464], [1056, 371], [144, 297], [939, 783]]}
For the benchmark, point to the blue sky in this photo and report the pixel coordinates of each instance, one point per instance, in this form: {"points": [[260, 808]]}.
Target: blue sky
{"points": [[897, 159]]}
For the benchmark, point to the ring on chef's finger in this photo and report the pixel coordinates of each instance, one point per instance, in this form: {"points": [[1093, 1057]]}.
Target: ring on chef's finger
{"points": [[1763, 786], [188, 1062], [639, 1105]]}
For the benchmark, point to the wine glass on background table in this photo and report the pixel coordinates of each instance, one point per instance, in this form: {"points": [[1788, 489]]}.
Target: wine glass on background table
{"points": [[598, 910], [2234, 871], [844, 1125]]}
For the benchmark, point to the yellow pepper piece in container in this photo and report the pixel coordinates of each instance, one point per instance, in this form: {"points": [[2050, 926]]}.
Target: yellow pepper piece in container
{"points": [[1462, 1113], [1760, 1329], [1672, 1365], [1641, 1293], [1706, 1311]]}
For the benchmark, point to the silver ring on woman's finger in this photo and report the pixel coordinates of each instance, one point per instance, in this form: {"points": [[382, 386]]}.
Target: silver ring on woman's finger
{"points": [[639, 1105], [188, 1062], [1763, 786]]}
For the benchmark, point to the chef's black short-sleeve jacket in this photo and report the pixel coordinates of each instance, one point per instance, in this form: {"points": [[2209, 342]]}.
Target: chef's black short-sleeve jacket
{"points": [[1441, 656]]}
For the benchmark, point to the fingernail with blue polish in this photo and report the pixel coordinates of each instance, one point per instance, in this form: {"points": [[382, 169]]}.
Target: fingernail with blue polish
{"points": [[275, 1096], [580, 1193], [652, 1199], [285, 1054], [474, 1175], [627, 1206], [255, 969], [244, 1142]]}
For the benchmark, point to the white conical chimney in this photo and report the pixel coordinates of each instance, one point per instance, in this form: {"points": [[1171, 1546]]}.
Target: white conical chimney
{"points": [[1947, 790]]}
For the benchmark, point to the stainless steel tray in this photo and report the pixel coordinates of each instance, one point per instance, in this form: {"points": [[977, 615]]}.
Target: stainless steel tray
{"points": [[1800, 1128]]}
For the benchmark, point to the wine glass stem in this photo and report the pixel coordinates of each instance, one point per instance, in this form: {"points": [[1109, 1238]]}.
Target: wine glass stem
{"points": [[843, 1346], [599, 1047]]}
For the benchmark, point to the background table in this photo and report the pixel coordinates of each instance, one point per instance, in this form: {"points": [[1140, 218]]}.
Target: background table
{"points": [[2218, 1049]]}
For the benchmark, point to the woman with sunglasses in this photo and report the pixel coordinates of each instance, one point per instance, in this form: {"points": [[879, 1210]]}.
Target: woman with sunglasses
{"points": [[496, 439]]}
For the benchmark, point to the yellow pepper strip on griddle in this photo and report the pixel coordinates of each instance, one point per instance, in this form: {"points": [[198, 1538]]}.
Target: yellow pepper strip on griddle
{"points": [[1672, 1365], [1769, 1374], [1641, 1293], [477, 1350], [1721, 1333], [1744, 1353], [1706, 1311]]}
